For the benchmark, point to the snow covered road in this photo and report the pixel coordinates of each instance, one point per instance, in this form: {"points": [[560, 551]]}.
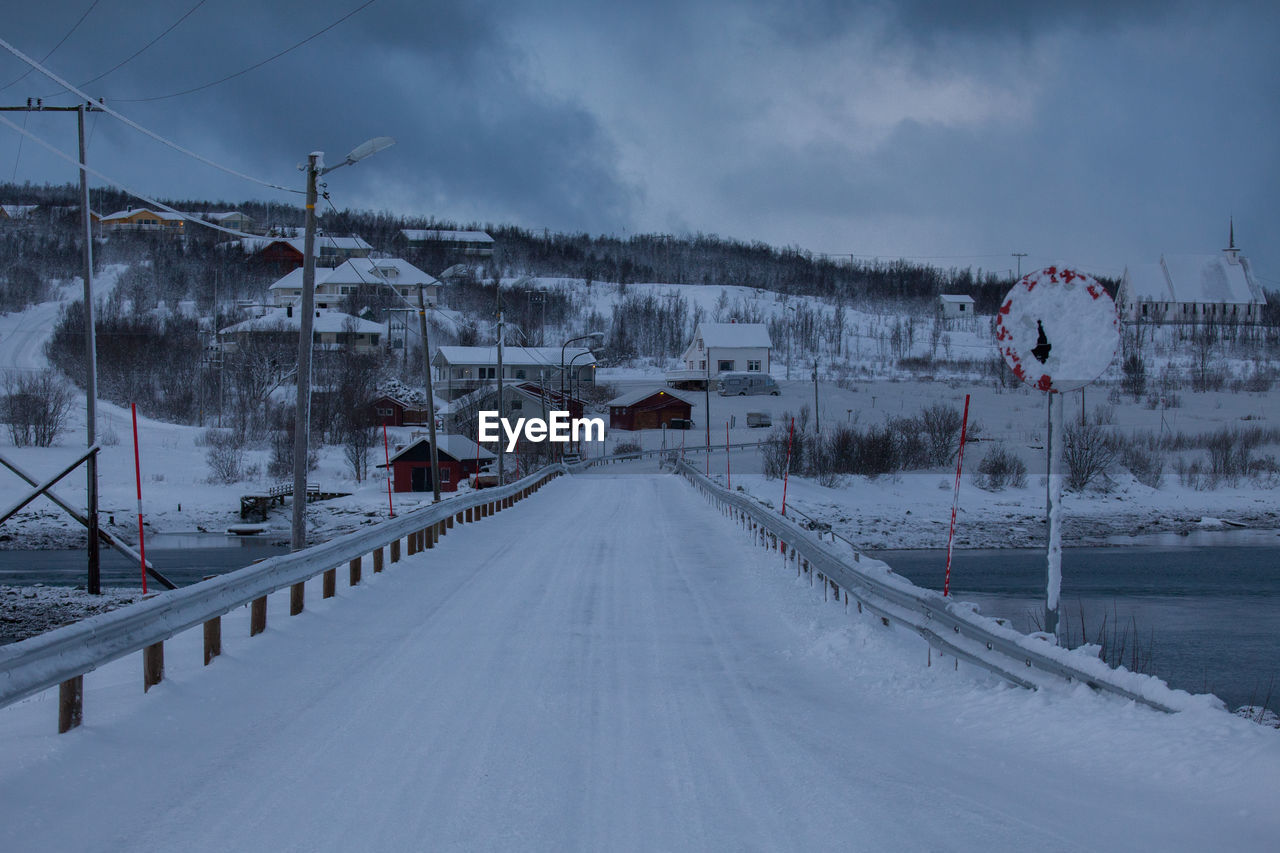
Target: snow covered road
{"points": [[610, 666]]}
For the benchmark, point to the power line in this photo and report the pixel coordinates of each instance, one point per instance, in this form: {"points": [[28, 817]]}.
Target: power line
{"points": [[98, 103], [89, 170], [140, 51], [253, 67], [54, 49]]}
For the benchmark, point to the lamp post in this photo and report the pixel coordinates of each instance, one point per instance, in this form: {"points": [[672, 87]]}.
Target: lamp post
{"points": [[315, 169], [599, 336], [790, 332]]}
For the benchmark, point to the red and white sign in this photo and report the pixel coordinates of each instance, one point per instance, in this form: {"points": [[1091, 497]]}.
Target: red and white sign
{"points": [[1058, 329]]}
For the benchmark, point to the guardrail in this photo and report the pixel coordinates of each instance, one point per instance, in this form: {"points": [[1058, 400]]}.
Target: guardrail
{"points": [[673, 452], [947, 625], [64, 655]]}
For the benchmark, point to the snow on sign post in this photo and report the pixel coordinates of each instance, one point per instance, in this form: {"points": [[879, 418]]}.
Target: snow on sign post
{"points": [[1058, 330]]}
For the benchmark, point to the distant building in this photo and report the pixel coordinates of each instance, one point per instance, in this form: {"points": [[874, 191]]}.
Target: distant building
{"points": [[464, 369], [233, 219], [648, 408], [955, 306], [458, 458], [281, 254], [468, 243], [723, 347], [330, 329], [334, 285], [143, 219], [16, 211], [1192, 289]]}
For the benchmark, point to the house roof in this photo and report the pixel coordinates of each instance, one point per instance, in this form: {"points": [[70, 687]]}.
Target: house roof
{"points": [[121, 215], [1193, 278], [360, 271], [522, 356], [956, 297], [252, 245], [14, 211], [734, 335], [457, 446], [633, 397], [421, 235], [325, 321]]}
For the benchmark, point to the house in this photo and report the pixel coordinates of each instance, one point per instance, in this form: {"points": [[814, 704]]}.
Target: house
{"points": [[648, 408], [232, 219], [458, 458], [722, 347], [469, 243], [334, 285], [143, 219], [519, 400], [464, 369], [953, 306], [398, 404], [16, 211], [330, 330], [1216, 288], [281, 254]]}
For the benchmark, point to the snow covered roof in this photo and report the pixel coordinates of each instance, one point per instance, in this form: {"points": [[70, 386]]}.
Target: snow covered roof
{"points": [[15, 211], [325, 322], [523, 356], [459, 447], [734, 335], [419, 235], [956, 298], [349, 244], [163, 215], [632, 397], [1193, 279], [361, 271]]}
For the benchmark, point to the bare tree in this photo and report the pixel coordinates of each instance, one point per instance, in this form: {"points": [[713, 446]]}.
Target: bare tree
{"points": [[1087, 454], [35, 407]]}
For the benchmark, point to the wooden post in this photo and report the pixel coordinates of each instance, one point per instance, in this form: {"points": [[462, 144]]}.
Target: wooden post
{"points": [[377, 560], [428, 535], [258, 616], [458, 517], [411, 542], [468, 515], [152, 665], [70, 704], [297, 596], [442, 528], [395, 551], [449, 522], [354, 569], [212, 639], [330, 583]]}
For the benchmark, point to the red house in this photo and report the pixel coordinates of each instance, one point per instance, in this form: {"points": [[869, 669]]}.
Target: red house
{"points": [[392, 411], [648, 408], [411, 465]]}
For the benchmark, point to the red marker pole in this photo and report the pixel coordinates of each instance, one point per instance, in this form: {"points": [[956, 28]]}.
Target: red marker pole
{"points": [[137, 472], [728, 478], [955, 500], [386, 449], [787, 469]]}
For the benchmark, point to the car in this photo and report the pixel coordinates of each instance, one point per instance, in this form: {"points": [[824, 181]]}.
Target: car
{"points": [[742, 384], [759, 419], [680, 423]]}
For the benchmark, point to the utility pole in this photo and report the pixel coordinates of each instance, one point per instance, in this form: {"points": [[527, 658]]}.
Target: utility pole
{"points": [[1019, 256], [501, 479], [816, 424], [306, 318], [431, 399], [93, 582]]}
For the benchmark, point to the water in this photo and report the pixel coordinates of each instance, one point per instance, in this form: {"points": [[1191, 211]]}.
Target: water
{"points": [[184, 558], [1206, 606]]}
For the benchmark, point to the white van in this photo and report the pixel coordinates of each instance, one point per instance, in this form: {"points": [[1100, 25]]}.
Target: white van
{"points": [[746, 383]]}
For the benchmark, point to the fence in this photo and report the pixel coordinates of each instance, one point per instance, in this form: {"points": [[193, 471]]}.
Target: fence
{"points": [[63, 656], [946, 625]]}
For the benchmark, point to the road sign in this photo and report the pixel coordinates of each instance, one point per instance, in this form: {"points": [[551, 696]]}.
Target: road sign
{"points": [[1058, 329]]}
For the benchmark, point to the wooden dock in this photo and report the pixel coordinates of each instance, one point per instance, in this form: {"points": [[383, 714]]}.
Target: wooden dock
{"points": [[260, 504]]}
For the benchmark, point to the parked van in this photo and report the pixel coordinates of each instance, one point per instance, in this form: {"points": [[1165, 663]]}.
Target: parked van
{"points": [[759, 419], [745, 383]]}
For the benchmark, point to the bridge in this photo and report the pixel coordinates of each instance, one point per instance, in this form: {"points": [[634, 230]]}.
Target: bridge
{"points": [[608, 660], [260, 503]]}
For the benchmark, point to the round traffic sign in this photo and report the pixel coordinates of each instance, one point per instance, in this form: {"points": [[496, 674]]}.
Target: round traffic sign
{"points": [[1058, 329]]}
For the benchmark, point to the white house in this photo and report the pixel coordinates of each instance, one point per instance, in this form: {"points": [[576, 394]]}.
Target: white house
{"points": [[1192, 289], [330, 331], [955, 306], [476, 243], [723, 347], [334, 285], [464, 369]]}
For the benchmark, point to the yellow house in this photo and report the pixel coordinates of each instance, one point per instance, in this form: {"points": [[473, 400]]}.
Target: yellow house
{"points": [[142, 219]]}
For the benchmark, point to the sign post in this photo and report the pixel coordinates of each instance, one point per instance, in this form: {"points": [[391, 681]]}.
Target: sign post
{"points": [[1058, 331]]}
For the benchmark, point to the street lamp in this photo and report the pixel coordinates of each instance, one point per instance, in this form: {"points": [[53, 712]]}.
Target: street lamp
{"points": [[315, 169], [599, 337]]}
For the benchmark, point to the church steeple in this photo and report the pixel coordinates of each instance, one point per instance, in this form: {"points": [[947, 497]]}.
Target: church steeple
{"points": [[1232, 243], [1233, 254]]}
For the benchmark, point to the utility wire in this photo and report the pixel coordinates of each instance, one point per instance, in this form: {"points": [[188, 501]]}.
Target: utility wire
{"points": [[98, 104], [138, 52], [54, 49], [253, 67], [89, 170]]}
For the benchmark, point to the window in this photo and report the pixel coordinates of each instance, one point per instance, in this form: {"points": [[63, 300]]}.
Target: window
{"points": [[962, 308], [520, 374], [445, 474], [724, 364], [488, 372], [385, 413], [702, 365], [753, 364], [516, 405]]}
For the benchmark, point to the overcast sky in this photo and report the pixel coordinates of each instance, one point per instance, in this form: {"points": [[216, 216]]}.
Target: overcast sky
{"points": [[1096, 133]]}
